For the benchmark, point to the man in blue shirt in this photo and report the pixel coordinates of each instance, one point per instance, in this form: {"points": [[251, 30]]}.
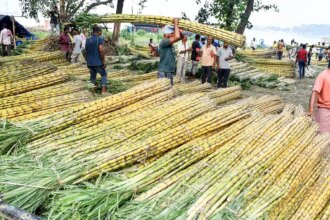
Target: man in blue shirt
{"points": [[167, 62], [96, 58]]}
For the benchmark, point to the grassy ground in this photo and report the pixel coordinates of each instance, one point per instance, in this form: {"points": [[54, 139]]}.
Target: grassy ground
{"points": [[298, 93]]}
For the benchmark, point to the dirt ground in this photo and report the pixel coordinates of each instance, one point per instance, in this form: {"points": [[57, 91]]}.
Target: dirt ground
{"points": [[298, 93]]}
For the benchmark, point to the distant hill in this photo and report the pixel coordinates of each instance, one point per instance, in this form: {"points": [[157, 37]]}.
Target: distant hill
{"points": [[321, 30]]}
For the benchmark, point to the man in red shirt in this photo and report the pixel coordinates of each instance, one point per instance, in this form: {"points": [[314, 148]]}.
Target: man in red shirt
{"points": [[302, 59], [321, 93], [65, 43]]}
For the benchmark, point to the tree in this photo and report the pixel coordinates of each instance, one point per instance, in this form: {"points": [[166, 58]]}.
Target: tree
{"points": [[184, 16], [232, 15], [116, 28], [68, 8]]}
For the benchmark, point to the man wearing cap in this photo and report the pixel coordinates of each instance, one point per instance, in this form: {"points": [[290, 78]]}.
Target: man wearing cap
{"points": [[208, 53], [166, 51]]}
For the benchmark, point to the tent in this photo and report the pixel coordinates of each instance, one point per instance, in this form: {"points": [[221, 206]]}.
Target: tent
{"points": [[20, 30]]}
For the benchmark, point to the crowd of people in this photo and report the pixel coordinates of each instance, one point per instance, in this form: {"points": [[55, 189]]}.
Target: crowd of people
{"points": [[76, 43], [204, 51]]}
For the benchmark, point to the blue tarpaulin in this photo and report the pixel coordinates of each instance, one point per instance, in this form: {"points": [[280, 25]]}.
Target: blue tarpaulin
{"points": [[20, 30]]}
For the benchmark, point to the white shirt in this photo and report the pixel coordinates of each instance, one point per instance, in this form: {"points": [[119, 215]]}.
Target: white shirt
{"points": [[83, 37], [77, 40], [181, 48], [222, 54], [254, 44], [5, 37]]}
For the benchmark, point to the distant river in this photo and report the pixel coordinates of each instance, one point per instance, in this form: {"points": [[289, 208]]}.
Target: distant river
{"points": [[269, 36]]}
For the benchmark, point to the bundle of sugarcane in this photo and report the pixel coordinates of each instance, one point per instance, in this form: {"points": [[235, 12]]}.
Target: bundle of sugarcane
{"points": [[262, 53], [52, 43], [230, 37], [99, 160], [144, 54], [317, 197], [302, 163], [57, 103], [145, 49], [42, 94], [49, 43], [195, 86], [81, 113], [135, 77], [38, 56], [210, 204], [119, 73], [143, 120], [272, 62], [279, 71], [15, 88], [34, 70], [180, 189], [278, 67], [224, 91], [94, 124], [266, 104], [148, 175], [16, 66], [61, 61]]}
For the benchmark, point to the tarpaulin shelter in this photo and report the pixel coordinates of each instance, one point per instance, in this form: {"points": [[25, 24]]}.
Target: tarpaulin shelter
{"points": [[20, 30]]}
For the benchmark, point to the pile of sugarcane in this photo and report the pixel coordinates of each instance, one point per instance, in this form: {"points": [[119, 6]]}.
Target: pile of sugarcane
{"points": [[244, 72], [154, 153], [144, 54], [49, 43], [230, 37], [280, 68], [40, 56], [145, 49], [259, 53], [30, 89]]}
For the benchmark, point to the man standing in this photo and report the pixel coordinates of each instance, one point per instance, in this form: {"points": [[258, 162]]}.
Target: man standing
{"points": [[96, 58], [310, 54], [153, 48], [5, 40], [253, 44], [224, 54], [54, 21], [202, 43], [195, 58], [77, 46], [301, 58], [208, 54], [182, 60], [166, 51], [65, 43], [321, 93], [280, 49]]}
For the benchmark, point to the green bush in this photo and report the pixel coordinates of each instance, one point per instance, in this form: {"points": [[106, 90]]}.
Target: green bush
{"points": [[125, 34], [141, 32]]}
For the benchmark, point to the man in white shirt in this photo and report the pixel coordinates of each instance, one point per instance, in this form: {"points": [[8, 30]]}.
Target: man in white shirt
{"points": [[84, 38], [208, 54], [182, 60], [77, 45], [5, 40], [224, 54], [254, 44]]}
